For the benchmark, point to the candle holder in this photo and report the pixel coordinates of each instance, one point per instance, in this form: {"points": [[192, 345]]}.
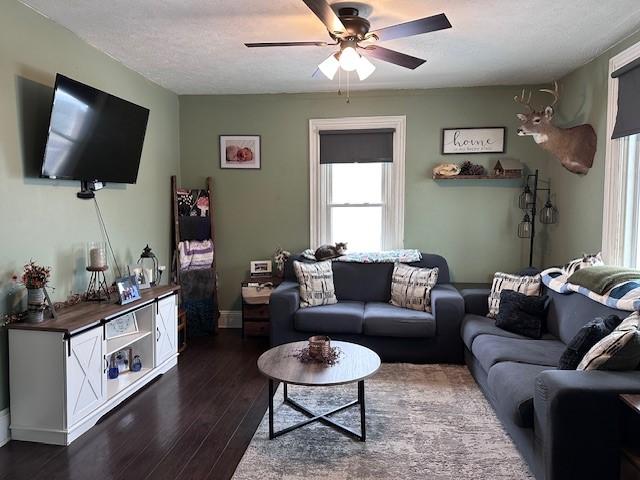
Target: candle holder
{"points": [[98, 290], [96, 255]]}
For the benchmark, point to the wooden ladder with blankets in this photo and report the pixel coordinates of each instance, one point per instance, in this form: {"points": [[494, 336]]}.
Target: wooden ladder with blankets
{"points": [[194, 260]]}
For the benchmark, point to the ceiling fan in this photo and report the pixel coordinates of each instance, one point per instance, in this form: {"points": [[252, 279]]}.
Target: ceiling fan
{"points": [[351, 32]]}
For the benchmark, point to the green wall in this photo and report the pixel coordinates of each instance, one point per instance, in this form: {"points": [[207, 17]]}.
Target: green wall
{"points": [[42, 219], [580, 199], [471, 223]]}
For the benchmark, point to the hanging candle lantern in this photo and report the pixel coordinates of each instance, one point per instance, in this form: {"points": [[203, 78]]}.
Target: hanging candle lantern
{"points": [[149, 264]]}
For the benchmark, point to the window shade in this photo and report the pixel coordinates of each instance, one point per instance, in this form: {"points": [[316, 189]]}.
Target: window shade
{"points": [[628, 118], [356, 146]]}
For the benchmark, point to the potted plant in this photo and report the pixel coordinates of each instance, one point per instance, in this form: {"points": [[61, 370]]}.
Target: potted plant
{"points": [[35, 278]]}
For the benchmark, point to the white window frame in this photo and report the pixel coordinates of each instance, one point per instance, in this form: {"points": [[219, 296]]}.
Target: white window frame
{"points": [[614, 209], [393, 236]]}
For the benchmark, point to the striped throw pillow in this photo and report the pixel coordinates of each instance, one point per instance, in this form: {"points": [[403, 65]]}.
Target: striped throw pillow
{"points": [[527, 285], [316, 283], [411, 287], [620, 350]]}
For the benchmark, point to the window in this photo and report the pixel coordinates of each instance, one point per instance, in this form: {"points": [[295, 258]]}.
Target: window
{"points": [[358, 203], [621, 226]]}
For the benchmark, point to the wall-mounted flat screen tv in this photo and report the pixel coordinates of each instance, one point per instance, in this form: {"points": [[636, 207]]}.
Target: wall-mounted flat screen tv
{"points": [[93, 136]]}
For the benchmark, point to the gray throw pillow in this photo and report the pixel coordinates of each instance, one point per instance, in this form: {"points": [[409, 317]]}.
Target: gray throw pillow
{"points": [[316, 283], [620, 350]]}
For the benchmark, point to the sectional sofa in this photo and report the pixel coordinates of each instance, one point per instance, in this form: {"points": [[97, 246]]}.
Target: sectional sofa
{"points": [[566, 423]]}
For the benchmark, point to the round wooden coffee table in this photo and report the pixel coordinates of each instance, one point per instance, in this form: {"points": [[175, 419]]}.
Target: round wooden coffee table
{"points": [[356, 363]]}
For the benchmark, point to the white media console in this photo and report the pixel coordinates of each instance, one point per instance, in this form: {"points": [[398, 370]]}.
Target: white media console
{"points": [[58, 369]]}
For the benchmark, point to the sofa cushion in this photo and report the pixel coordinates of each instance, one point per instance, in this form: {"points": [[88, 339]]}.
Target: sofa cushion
{"points": [[568, 313], [385, 320], [491, 349], [342, 317], [475, 325], [512, 386]]}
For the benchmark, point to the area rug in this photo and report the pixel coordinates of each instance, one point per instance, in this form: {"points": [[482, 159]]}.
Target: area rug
{"points": [[423, 422]]}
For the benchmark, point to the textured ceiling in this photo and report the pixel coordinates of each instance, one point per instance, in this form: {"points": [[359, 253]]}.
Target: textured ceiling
{"points": [[196, 46]]}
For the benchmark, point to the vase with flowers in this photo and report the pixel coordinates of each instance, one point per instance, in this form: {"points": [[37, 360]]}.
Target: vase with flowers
{"points": [[280, 257], [35, 277]]}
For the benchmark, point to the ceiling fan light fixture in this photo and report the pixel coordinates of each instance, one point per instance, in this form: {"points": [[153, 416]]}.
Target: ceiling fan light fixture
{"points": [[329, 67], [349, 59], [365, 68]]}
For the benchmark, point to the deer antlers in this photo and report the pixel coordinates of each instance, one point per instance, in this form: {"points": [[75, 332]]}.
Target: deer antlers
{"points": [[527, 101], [553, 92]]}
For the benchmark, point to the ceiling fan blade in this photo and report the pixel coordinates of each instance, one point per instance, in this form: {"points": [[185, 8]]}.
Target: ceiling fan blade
{"points": [[287, 44], [391, 56], [326, 14], [415, 27]]}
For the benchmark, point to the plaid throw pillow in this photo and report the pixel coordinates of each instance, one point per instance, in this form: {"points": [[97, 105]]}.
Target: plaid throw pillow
{"points": [[316, 283], [503, 281], [620, 350], [411, 287]]}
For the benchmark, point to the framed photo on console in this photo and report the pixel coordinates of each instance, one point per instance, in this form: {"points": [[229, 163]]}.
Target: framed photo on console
{"points": [[473, 140], [240, 151], [127, 289]]}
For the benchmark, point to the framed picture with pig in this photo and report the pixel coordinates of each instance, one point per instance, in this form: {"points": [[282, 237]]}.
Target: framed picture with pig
{"points": [[240, 151]]}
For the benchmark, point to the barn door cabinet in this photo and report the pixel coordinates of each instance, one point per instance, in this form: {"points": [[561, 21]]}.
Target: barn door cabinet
{"points": [[58, 369]]}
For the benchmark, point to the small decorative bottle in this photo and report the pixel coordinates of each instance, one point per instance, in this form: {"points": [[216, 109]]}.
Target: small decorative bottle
{"points": [[114, 371], [136, 364]]}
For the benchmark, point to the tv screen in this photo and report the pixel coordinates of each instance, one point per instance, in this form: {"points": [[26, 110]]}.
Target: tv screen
{"points": [[93, 136]]}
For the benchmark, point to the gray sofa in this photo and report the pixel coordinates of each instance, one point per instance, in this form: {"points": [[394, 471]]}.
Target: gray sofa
{"points": [[363, 314], [566, 423]]}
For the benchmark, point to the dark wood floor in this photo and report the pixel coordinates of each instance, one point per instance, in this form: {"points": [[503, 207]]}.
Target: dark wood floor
{"points": [[194, 422]]}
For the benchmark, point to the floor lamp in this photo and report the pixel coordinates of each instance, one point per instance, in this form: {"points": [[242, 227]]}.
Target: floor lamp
{"points": [[528, 203]]}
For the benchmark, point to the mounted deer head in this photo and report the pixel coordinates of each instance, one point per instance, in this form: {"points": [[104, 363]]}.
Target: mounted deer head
{"points": [[575, 147]]}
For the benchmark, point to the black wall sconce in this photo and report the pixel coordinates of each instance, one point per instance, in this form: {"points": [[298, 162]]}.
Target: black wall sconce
{"points": [[528, 203]]}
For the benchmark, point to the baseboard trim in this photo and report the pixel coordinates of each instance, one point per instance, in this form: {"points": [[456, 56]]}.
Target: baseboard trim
{"points": [[5, 421], [230, 319]]}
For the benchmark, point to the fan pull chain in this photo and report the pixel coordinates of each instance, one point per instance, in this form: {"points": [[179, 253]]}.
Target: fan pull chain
{"points": [[348, 90], [339, 81]]}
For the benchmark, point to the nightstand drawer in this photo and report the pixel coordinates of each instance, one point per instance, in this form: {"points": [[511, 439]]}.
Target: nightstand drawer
{"points": [[259, 312], [256, 329]]}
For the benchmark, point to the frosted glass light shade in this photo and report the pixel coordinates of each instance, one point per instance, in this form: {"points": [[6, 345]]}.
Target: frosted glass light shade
{"points": [[349, 59], [329, 67], [365, 68]]}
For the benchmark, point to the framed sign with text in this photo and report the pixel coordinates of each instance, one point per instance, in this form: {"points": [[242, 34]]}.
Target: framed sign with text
{"points": [[473, 140]]}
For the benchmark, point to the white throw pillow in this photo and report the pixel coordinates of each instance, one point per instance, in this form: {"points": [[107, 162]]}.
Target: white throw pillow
{"points": [[316, 283], [411, 287], [620, 350], [527, 285]]}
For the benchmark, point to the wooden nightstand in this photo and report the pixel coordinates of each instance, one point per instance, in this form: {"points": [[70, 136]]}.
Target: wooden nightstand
{"points": [[630, 452], [255, 317]]}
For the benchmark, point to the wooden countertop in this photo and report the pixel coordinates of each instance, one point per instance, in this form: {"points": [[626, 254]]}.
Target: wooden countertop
{"points": [[88, 314]]}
